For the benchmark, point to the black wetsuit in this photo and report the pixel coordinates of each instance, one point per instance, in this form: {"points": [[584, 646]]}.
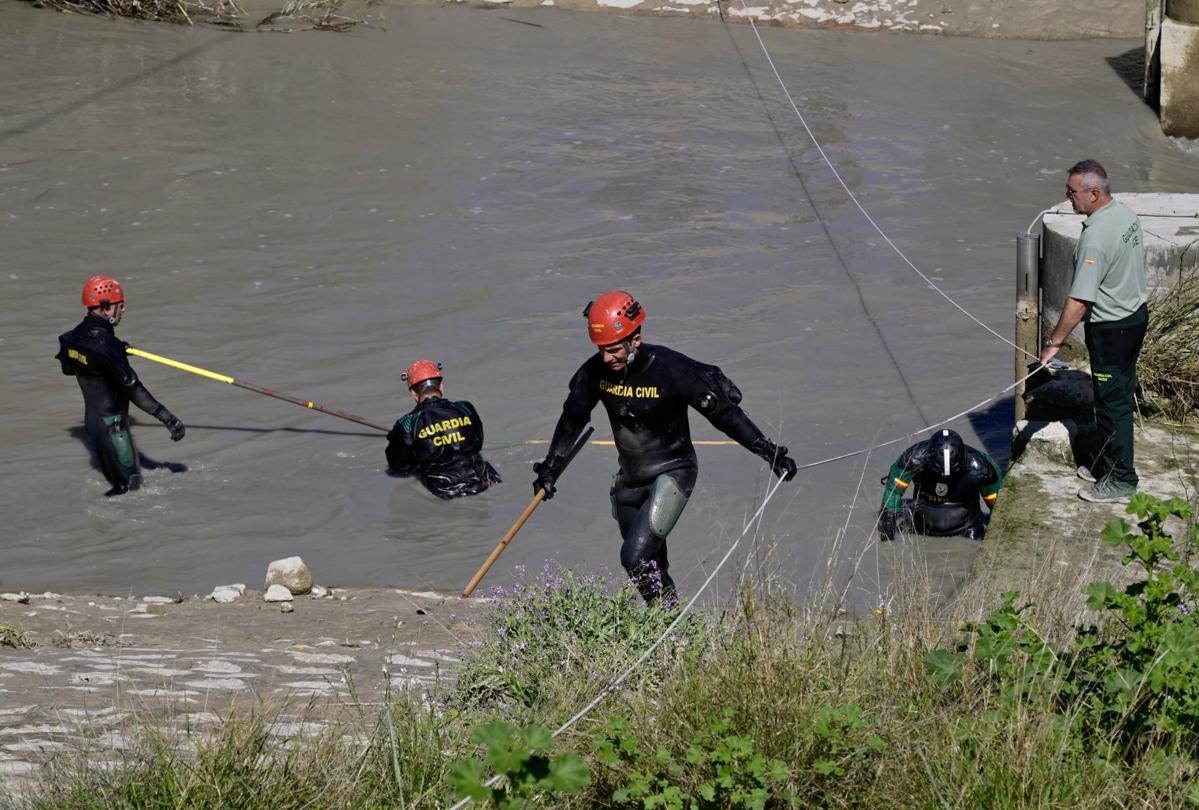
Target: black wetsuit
{"points": [[94, 355], [941, 506], [441, 441], [647, 405]]}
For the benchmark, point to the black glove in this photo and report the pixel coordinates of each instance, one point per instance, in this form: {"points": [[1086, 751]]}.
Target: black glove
{"points": [[888, 527], [171, 422], [547, 472], [782, 465]]}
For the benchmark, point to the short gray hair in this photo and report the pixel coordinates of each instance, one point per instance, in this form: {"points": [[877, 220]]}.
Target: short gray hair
{"points": [[1093, 175]]}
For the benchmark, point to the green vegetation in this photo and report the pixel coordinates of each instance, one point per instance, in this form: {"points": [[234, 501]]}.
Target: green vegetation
{"points": [[1168, 368], [295, 15], [13, 637], [781, 705], [526, 774]]}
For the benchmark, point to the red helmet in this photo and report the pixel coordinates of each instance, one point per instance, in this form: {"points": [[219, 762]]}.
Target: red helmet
{"points": [[100, 291], [613, 317], [420, 371]]}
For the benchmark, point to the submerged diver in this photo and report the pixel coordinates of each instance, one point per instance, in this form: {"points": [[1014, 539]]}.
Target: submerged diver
{"points": [[439, 440], [950, 478], [646, 391], [92, 352]]}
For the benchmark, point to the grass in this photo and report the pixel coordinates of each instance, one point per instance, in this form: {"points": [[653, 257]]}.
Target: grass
{"points": [[11, 636], [184, 12], [766, 701], [1168, 367], [294, 15]]}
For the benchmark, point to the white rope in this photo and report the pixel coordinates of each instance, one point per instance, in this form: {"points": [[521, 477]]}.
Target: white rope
{"points": [[610, 688], [1035, 219], [853, 198], [756, 516], [933, 426]]}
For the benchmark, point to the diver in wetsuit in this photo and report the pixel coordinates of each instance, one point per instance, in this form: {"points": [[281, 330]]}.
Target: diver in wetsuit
{"points": [[439, 440], [646, 391], [92, 352], [950, 478]]}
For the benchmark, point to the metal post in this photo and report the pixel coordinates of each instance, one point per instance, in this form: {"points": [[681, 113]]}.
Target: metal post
{"points": [[1028, 310]]}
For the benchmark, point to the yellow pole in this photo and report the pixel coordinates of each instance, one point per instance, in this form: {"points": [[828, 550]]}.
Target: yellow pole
{"points": [[166, 361]]}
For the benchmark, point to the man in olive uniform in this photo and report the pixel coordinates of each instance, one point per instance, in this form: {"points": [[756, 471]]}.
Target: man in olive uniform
{"points": [[646, 391], [1109, 294], [439, 440], [93, 354], [947, 479]]}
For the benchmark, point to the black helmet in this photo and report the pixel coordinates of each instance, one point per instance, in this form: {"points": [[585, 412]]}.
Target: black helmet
{"points": [[946, 452]]}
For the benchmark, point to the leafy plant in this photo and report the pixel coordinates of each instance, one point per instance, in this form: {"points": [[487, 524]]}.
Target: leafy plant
{"points": [[1139, 671], [719, 768], [842, 739], [1007, 649], [526, 773], [1131, 680]]}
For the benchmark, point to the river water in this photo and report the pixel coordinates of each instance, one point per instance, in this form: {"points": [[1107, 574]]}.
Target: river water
{"points": [[311, 212]]}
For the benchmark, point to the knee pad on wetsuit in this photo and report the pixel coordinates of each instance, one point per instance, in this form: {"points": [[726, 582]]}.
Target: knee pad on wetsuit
{"points": [[666, 505], [121, 440]]}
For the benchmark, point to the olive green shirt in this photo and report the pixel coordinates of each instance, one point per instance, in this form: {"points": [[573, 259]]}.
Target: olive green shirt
{"points": [[1109, 264]]}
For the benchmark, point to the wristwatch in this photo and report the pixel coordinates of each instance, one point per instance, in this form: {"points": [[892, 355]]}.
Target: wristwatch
{"points": [[1050, 343]]}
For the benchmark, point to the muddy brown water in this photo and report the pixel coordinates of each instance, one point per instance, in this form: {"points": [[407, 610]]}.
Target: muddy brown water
{"points": [[312, 212]]}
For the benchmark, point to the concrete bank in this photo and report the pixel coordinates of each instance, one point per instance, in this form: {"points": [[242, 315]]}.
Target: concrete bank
{"points": [[100, 667], [1009, 19], [1043, 539]]}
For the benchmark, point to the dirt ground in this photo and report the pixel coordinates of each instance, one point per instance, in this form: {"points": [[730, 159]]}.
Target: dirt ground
{"points": [[1042, 532], [1003, 19], [100, 664], [1008, 19]]}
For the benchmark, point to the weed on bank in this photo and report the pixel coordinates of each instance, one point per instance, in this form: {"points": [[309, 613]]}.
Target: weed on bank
{"points": [[759, 705]]}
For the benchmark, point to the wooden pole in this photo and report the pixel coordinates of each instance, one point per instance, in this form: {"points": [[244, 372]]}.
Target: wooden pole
{"points": [[257, 389], [520, 521], [503, 544]]}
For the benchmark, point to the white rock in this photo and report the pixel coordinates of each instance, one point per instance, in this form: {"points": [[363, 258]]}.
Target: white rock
{"points": [[158, 600], [318, 591], [286, 607], [1048, 432], [225, 594], [21, 597], [1051, 440], [292, 573], [277, 593]]}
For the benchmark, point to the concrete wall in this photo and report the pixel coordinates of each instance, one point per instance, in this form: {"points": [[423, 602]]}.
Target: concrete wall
{"points": [[1178, 97], [1184, 11], [1171, 83], [1170, 223]]}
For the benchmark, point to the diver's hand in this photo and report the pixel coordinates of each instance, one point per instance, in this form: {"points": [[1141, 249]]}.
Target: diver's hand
{"points": [[171, 423], [782, 465], [547, 472]]}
